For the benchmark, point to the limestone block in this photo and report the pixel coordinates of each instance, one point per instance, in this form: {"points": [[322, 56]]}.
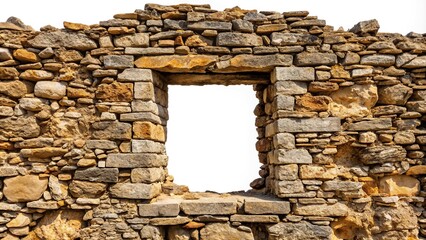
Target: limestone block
{"points": [[117, 22], [169, 221], [378, 60], [253, 63], [298, 231], [94, 174], [283, 102], [152, 232], [284, 141], [135, 190], [147, 175], [317, 172], [286, 187], [337, 185], [260, 206], [136, 160], [5, 55], [148, 130], [8, 73], [309, 103], [366, 27], [286, 172], [179, 233], [293, 74], [315, 59], [136, 75], [416, 170], [326, 87], [223, 231], [45, 152], [294, 125], [58, 39], [115, 92], [255, 218], [241, 25], [210, 25], [175, 24], [6, 111], [144, 91], [397, 218], [8, 171], [159, 210], [382, 154], [15, 89], [291, 87], [101, 144], [371, 125], [187, 63], [367, 72], [132, 40], [399, 185], [286, 39], [84, 189], [50, 90], [270, 28], [235, 39], [404, 137], [32, 104], [147, 146], [70, 56], [298, 156], [141, 116], [25, 55], [25, 127], [118, 61], [323, 210], [24, 188], [416, 106], [149, 51], [395, 94], [21, 220], [212, 206], [112, 130], [418, 62]]}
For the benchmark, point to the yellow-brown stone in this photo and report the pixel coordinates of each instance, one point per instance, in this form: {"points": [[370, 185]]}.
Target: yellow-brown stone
{"points": [[24, 188], [399, 185], [188, 63], [338, 71], [417, 170], [148, 130], [75, 26], [194, 225], [310, 103], [45, 152], [269, 28], [195, 41], [79, 93], [25, 55], [115, 92]]}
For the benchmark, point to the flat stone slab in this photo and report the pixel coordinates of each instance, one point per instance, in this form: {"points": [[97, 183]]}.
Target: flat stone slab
{"points": [[135, 190], [171, 209], [135, 160], [301, 125], [212, 206], [255, 218], [259, 206], [371, 125]]}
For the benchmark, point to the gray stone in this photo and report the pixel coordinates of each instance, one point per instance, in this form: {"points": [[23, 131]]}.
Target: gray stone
{"points": [[133, 40], [101, 144], [378, 60], [255, 218], [289, 187], [299, 231], [254, 16], [367, 72], [112, 130], [382, 154], [210, 25], [315, 59], [233, 39], [286, 172], [371, 125], [50, 90], [366, 27], [94, 174], [286, 39], [175, 24], [42, 204], [147, 175], [323, 210], [136, 160], [260, 206], [293, 74], [291, 87], [244, 26], [59, 39], [211, 206], [152, 233], [149, 51], [300, 156], [105, 73], [118, 61], [135, 190], [147, 146], [224, 231], [404, 58], [136, 75], [308, 23], [294, 125], [394, 95], [337, 185], [141, 116], [119, 23], [159, 210], [284, 141], [283, 102]]}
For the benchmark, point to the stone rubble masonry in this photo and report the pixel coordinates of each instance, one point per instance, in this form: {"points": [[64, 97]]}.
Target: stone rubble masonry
{"points": [[83, 127]]}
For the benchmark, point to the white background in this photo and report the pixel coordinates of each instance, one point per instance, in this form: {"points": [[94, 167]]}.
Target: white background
{"points": [[211, 129]]}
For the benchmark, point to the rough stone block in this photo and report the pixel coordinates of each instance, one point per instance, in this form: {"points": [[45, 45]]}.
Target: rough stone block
{"points": [[132, 40], [159, 210], [323, 210], [283, 102], [293, 74], [141, 116], [147, 146], [399, 185], [136, 160], [101, 144], [299, 231], [212, 206], [118, 61], [144, 91], [234, 39], [135, 190], [222, 231], [255, 218], [94, 174], [112, 130], [148, 130], [366, 27], [50, 90], [287, 39], [297, 156], [287, 172], [378, 60], [295, 125], [136, 75], [284, 141], [169, 221], [259, 206], [371, 125], [59, 39], [210, 25], [147, 175], [315, 59], [418, 62], [337, 185], [286, 187], [382, 154], [317, 172], [291, 87]]}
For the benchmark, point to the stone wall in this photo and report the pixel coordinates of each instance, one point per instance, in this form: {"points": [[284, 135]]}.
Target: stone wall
{"points": [[83, 117]]}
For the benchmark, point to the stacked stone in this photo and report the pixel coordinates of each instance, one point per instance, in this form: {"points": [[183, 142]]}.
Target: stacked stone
{"points": [[83, 114]]}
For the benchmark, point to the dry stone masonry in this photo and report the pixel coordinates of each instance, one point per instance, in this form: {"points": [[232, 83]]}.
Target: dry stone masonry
{"points": [[83, 118]]}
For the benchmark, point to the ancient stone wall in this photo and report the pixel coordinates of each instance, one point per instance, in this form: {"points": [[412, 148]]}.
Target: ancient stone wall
{"points": [[83, 117]]}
